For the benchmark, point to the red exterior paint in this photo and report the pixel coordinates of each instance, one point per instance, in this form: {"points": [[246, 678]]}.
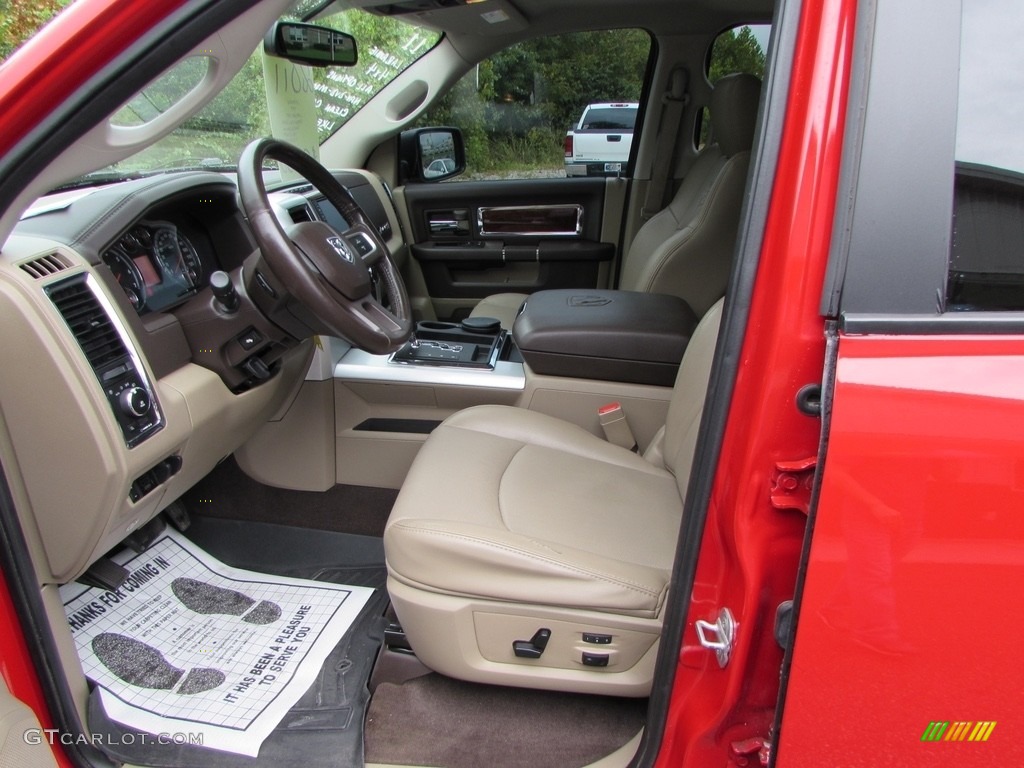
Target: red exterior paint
{"points": [[911, 609], [17, 667], [750, 551], [55, 63]]}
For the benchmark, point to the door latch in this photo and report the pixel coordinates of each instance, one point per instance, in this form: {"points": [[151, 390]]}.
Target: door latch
{"points": [[791, 484], [718, 637]]}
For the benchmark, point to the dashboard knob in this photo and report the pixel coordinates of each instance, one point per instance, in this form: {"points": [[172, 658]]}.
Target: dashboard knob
{"points": [[134, 401]]}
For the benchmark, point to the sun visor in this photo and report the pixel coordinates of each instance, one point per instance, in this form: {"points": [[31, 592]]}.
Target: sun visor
{"points": [[476, 17]]}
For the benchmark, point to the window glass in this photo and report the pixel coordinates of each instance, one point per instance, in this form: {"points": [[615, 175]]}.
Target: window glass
{"points": [[986, 268], [619, 117], [740, 49], [215, 136], [547, 107]]}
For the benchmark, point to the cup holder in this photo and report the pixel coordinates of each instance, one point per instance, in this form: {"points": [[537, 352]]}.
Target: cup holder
{"points": [[435, 325]]}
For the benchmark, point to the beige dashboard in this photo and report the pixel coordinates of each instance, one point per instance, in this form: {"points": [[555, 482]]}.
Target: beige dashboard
{"points": [[62, 448]]}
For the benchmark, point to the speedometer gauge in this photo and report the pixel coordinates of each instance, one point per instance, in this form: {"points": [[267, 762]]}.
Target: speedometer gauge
{"points": [[177, 256]]}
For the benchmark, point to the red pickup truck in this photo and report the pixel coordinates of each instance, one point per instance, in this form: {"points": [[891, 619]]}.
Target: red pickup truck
{"points": [[817, 567]]}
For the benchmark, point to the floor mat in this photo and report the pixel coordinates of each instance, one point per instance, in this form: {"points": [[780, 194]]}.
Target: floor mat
{"points": [[227, 492], [325, 727], [437, 721]]}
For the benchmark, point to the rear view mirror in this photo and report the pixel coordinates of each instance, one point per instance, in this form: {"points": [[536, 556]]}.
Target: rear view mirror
{"points": [[431, 154], [310, 44]]}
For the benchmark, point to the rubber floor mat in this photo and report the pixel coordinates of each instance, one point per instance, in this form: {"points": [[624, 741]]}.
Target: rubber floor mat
{"points": [[325, 727]]}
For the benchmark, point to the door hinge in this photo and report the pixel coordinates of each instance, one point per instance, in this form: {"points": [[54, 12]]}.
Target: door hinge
{"points": [[748, 752], [791, 484]]}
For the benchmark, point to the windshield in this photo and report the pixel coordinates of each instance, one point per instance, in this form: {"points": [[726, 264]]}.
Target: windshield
{"points": [[215, 136]]}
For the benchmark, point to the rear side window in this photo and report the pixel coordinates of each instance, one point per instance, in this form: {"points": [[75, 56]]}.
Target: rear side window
{"points": [[740, 49], [986, 265]]}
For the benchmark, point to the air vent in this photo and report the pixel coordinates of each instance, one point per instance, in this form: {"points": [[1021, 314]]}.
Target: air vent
{"points": [[107, 347], [89, 323], [45, 266]]}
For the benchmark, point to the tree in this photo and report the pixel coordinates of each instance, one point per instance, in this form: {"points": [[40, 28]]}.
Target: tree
{"points": [[514, 108], [19, 20], [736, 52]]}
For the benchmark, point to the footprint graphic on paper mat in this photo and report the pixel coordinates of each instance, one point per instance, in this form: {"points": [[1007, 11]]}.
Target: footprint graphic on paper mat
{"points": [[142, 665], [206, 598]]}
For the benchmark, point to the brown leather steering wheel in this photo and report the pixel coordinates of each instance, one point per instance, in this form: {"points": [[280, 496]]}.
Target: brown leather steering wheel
{"points": [[328, 271]]}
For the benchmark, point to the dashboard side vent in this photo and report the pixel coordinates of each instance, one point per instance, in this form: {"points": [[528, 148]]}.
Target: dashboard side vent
{"points": [[107, 347], [44, 266], [89, 323]]}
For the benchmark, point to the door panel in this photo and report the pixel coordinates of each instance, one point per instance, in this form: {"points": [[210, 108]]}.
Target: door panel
{"points": [[909, 607], [474, 239]]}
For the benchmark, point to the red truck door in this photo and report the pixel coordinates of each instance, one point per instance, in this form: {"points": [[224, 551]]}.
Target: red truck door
{"points": [[908, 624]]}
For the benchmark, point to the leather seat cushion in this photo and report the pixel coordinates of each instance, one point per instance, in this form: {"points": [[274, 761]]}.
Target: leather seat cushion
{"points": [[503, 306], [512, 505]]}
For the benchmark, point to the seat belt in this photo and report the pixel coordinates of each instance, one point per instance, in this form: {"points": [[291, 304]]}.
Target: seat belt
{"points": [[674, 100]]}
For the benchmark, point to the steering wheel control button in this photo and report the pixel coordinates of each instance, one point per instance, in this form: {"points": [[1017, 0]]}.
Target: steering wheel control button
{"points": [[595, 639], [595, 659], [362, 243], [261, 281], [135, 401], [250, 338], [534, 647]]}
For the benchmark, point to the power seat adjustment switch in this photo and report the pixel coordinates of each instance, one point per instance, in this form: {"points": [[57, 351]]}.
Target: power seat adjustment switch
{"points": [[534, 647]]}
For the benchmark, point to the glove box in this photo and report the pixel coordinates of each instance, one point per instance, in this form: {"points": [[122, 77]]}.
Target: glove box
{"points": [[607, 335]]}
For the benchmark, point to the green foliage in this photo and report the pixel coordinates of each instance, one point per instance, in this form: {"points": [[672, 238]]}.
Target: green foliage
{"points": [[514, 108], [19, 20], [736, 52]]}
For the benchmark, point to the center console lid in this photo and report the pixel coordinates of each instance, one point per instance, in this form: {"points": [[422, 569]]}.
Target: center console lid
{"points": [[609, 335]]}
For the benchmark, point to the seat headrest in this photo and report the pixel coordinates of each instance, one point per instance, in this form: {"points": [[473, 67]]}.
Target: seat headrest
{"points": [[734, 112]]}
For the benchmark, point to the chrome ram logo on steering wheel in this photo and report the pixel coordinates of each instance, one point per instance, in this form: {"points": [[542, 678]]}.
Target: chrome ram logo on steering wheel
{"points": [[340, 248]]}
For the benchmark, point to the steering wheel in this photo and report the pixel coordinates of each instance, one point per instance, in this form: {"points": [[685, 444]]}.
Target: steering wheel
{"points": [[328, 271]]}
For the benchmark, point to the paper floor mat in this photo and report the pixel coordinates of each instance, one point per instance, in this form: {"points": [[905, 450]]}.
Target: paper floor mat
{"points": [[189, 648]]}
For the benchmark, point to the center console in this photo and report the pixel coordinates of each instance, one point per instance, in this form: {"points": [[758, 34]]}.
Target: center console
{"points": [[621, 336], [476, 342]]}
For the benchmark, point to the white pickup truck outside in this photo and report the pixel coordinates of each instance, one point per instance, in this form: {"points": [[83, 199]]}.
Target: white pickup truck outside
{"points": [[599, 143]]}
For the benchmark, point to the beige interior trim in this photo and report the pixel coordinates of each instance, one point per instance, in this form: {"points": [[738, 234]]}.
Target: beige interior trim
{"points": [[616, 192], [296, 451], [472, 655], [22, 742], [72, 475]]}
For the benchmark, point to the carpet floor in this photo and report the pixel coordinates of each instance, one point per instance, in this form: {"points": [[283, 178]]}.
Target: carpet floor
{"points": [[437, 721]]}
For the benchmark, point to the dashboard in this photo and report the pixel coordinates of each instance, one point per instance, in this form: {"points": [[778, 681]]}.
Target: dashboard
{"points": [[107, 291]]}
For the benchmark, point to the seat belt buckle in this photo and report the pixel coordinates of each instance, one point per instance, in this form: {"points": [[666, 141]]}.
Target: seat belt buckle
{"points": [[616, 428]]}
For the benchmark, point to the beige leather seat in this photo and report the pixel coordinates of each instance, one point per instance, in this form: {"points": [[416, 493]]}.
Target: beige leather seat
{"points": [[686, 248], [512, 521]]}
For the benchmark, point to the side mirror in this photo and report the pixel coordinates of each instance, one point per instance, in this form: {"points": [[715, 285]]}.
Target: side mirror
{"points": [[431, 154], [310, 44]]}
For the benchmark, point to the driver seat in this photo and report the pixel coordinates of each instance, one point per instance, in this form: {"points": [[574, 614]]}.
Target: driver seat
{"points": [[524, 550]]}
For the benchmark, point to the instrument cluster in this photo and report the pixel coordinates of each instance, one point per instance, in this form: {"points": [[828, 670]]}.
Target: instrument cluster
{"points": [[156, 266]]}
